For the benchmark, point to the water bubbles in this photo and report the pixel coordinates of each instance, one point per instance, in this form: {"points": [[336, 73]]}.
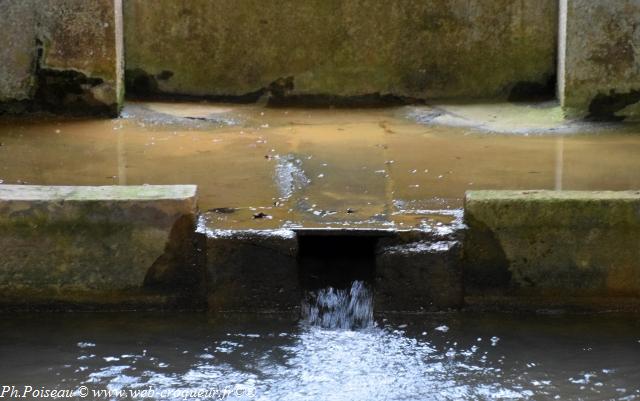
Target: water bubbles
{"points": [[442, 328], [339, 309], [494, 341]]}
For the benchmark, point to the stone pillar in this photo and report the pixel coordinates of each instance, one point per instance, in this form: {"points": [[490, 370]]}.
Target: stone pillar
{"points": [[599, 58], [17, 55], [64, 56]]}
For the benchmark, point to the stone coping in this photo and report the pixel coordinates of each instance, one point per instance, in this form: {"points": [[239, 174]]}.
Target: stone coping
{"points": [[96, 193]]}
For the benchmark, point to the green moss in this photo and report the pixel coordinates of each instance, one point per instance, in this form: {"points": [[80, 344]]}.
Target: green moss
{"points": [[41, 225]]}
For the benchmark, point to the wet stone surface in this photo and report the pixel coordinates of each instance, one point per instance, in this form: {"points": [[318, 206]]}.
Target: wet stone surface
{"points": [[267, 168]]}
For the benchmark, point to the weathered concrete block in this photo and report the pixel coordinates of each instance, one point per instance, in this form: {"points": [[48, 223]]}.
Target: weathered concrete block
{"points": [[97, 246], [554, 244], [64, 56], [422, 273], [17, 50], [252, 270], [599, 58], [326, 49]]}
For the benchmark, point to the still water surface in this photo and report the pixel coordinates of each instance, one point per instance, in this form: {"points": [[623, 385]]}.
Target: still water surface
{"points": [[313, 167]]}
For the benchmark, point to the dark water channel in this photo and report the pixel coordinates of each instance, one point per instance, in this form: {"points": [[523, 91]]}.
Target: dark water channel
{"points": [[456, 356]]}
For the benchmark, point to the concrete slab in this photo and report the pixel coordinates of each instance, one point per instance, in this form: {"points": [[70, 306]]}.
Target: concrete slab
{"points": [[506, 118], [565, 246], [105, 247], [419, 272], [252, 271]]}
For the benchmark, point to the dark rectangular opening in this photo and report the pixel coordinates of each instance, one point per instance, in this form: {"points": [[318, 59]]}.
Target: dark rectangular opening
{"points": [[335, 260]]}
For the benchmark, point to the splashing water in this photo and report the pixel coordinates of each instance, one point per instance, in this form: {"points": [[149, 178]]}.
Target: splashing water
{"points": [[339, 308]]}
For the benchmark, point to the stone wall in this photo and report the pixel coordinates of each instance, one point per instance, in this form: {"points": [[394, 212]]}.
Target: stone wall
{"points": [[61, 55], [599, 58], [321, 49]]}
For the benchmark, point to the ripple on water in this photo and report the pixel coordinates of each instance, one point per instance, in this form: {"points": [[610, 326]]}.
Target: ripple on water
{"points": [[403, 358]]}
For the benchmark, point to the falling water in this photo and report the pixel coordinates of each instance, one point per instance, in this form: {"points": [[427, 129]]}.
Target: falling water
{"points": [[333, 308]]}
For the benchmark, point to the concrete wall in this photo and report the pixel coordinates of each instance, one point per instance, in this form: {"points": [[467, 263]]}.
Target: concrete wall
{"points": [[17, 50], [599, 58], [137, 247], [61, 56], [84, 247], [413, 48], [553, 246]]}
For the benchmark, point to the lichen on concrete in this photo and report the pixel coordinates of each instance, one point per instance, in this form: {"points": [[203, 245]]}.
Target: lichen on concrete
{"points": [[63, 56], [562, 244], [71, 245], [17, 53], [418, 272], [330, 50], [599, 60], [252, 271]]}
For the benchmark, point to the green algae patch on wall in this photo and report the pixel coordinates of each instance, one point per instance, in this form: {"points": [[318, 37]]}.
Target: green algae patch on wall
{"points": [[102, 247], [553, 246], [339, 48]]}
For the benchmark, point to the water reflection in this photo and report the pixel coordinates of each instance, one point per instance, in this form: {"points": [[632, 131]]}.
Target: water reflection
{"points": [[122, 160], [559, 163], [312, 167]]}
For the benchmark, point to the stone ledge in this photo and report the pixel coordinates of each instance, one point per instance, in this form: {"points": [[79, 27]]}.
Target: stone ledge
{"points": [[100, 193], [73, 245], [560, 244]]}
